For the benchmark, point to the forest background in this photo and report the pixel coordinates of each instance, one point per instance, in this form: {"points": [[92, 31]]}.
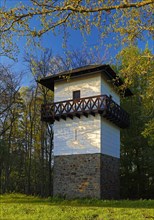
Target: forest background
{"points": [[118, 33]]}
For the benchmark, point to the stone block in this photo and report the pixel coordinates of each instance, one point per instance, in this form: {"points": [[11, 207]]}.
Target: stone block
{"points": [[86, 176]]}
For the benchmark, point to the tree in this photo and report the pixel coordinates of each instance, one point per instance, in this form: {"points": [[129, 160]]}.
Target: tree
{"points": [[3, 161], [9, 87], [137, 148], [21, 148], [137, 72], [49, 64], [128, 19]]}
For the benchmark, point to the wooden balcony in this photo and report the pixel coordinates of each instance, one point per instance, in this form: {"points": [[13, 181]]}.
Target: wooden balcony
{"points": [[101, 104]]}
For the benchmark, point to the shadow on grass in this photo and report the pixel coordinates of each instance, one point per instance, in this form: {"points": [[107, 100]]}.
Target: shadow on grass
{"points": [[22, 199]]}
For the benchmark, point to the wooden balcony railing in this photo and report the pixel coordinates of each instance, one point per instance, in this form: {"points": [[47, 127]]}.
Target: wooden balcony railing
{"points": [[101, 104]]}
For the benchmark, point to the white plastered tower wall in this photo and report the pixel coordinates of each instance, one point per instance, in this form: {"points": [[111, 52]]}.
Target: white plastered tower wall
{"points": [[110, 133], [86, 135], [88, 85], [80, 135]]}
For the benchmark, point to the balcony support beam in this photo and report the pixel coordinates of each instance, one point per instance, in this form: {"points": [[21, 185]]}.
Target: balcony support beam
{"points": [[85, 114]]}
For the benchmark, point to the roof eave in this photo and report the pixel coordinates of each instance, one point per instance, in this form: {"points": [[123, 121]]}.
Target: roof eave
{"points": [[79, 72]]}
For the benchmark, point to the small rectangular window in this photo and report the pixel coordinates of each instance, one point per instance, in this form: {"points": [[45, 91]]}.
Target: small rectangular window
{"points": [[76, 94]]}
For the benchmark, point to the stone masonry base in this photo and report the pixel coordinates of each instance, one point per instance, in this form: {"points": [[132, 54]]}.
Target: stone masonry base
{"points": [[86, 176]]}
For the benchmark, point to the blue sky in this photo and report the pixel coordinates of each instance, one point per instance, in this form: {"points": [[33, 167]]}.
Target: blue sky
{"points": [[75, 41]]}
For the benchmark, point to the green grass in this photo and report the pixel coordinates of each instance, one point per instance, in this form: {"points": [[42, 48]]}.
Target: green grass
{"points": [[18, 207]]}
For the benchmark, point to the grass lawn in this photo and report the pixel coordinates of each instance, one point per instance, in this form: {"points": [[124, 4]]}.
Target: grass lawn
{"points": [[17, 206]]}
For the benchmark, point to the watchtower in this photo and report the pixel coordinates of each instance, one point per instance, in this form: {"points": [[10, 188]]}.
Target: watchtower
{"points": [[87, 119]]}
